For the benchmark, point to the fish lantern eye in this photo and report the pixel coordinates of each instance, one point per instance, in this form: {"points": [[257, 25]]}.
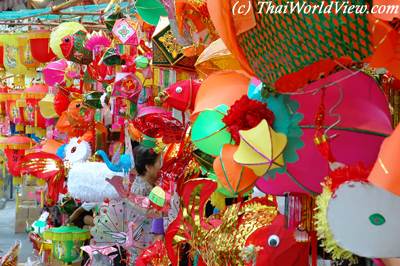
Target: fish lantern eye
{"points": [[78, 105], [273, 241], [66, 39], [178, 89]]}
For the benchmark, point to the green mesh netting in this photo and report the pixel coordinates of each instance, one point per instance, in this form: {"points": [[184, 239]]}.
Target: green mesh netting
{"points": [[282, 44]]}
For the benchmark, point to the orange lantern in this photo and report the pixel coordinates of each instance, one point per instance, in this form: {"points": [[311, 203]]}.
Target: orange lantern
{"points": [[223, 87], [234, 177]]}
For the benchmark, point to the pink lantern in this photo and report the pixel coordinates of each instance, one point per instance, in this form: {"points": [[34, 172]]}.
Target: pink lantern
{"points": [[125, 31], [128, 86], [361, 120], [60, 72]]}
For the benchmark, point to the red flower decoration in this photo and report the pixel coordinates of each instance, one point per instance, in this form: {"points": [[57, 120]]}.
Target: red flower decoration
{"points": [[246, 114]]}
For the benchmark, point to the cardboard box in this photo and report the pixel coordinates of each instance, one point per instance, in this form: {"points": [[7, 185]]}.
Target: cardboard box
{"points": [[34, 213], [28, 193]]}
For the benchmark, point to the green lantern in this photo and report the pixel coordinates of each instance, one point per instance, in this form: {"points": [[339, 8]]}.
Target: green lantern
{"points": [[66, 242], [150, 10], [141, 62], [209, 133]]}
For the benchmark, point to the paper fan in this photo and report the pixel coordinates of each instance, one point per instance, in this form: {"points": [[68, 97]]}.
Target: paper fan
{"points": [[117, 224]]}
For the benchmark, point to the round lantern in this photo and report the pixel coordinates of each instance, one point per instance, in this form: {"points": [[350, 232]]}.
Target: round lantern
{"points": [[223, 87], [209, 133], [14, 148], [234, 177], [41, 51], [66, 242]]}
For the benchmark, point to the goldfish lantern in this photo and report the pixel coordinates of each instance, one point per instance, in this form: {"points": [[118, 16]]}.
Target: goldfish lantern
{"points": [[73, 49], [35, 122], [77, 119], [209, 133], [61, 31], [14, 148], [234, 177], [101, 72], [62, 99], [125, 31], [66, 242], [181, 95]]}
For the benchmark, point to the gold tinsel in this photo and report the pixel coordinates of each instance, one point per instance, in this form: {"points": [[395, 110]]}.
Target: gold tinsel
{"points": [[324, 233]]}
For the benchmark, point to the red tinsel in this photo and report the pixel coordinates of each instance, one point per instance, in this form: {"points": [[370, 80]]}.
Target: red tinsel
{"points": [[246, 114], [358, 172], [155, 254]]}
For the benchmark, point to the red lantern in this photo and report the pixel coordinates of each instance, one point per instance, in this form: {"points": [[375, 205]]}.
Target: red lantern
{"points": [[1, 56], [14, 148], [34, 121], [13, 157], [41, 51]]}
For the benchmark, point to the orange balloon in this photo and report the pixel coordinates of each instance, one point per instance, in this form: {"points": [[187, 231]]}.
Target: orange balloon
{"points": [[224, 87], [386, 171], [231, 175]]}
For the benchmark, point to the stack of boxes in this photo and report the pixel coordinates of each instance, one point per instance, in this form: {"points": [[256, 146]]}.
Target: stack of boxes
{"points": [[28, 207]]}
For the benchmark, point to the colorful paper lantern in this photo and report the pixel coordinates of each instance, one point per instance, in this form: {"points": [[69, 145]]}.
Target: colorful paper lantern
{"points": [[41, 51], [150, 10], [46, 106], [35, 122], [61, 31], [66, 242], [261, 148], [166, 51], [60, 73], [251, 38], [220, 88], [234, 177], [209, 133], [14, 148], [216, 57], [125, 30], [365, 121], [127, 85], [386, 171]]}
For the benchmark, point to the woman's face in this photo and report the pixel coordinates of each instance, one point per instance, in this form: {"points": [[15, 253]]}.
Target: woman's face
{"points": [[152, 170]]}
